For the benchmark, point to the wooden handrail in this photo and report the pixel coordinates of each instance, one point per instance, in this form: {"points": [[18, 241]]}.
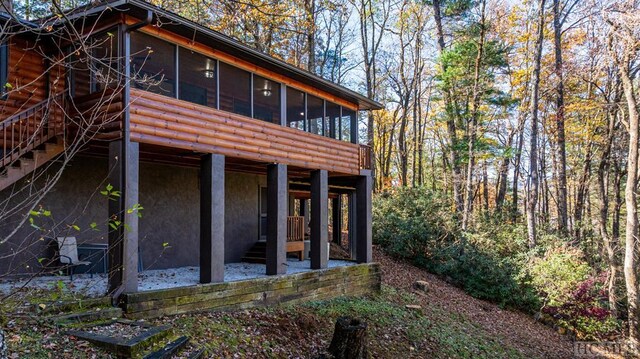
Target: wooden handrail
{"points": [[30, 128], [365, 154], [295, 228]]}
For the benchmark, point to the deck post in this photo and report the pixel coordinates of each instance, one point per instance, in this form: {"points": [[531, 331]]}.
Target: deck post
{"points": [[337, 219], [319, 218], [212, 218], [277, 208], [123, 217], [363, 217]]}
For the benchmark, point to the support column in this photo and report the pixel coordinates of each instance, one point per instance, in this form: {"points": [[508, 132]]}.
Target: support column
{"points": [[363, 217], [351, 217], [212, 218], [123, 217], [319, 218], [277, 205], [337, 219]]}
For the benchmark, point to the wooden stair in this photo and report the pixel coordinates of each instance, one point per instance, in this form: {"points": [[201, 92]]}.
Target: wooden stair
{"points": [[31, 161], [31, 138], [257, 253]]}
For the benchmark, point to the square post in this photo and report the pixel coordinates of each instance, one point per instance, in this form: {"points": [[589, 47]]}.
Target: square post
{"points": [[277, 208], [319, 218], [337, 219], [212, 218], [123, 217], [363, 217]]}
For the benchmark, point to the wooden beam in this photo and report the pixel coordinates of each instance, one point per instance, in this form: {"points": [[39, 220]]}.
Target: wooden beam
{"points": [[363, 217], [212, 212], [319, 218], [123, 217], [277, 208]]}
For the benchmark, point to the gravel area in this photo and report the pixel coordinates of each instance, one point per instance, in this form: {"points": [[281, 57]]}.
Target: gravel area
{"points": [[157, 278]]}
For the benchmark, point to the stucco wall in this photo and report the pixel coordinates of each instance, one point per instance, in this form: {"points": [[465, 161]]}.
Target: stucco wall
{"points": [[170, 197]]}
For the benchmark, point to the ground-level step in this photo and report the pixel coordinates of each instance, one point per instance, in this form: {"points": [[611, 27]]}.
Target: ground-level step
{"points": [[168, 350], [90, 316]]}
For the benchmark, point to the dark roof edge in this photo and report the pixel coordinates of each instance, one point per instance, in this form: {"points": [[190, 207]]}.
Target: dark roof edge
{"points": [[363, 102]]}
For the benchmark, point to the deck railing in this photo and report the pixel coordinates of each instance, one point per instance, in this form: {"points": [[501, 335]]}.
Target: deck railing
{"points": [[365, 157], [295, 228], [30, 128]]}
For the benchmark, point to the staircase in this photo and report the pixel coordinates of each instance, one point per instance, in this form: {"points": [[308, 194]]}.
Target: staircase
{"points": [[257, 253], [31, 138]]}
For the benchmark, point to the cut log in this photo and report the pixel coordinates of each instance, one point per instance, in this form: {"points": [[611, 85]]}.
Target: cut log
{"points": [[349, 339]]}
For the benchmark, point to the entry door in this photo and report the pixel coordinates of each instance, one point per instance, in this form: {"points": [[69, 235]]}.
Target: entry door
{"points": [[263, 213]]}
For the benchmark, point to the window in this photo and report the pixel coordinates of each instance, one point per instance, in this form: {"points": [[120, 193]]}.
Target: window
{"points": [[4, 68], [104, 61], [95, 66], [348, 124], [315, 115], [333, 119], [266, 100], [235, 94], [153, 64], [197, 76], [295, 108]]}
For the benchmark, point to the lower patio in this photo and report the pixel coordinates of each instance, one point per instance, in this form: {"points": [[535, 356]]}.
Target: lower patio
{"points": [[95, 285]]}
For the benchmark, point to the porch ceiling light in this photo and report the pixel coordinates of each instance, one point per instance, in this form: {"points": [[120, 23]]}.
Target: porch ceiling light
{"points": [[209, 73]]}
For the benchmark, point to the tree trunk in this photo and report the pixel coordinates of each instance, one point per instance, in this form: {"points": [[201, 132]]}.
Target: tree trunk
{"points": [[560, 167], [349, 339], [473, 125], [454, 157], [533, 153]]}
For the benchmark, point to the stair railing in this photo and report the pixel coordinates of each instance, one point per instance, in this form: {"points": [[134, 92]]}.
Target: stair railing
{"points": [[30, 128]]}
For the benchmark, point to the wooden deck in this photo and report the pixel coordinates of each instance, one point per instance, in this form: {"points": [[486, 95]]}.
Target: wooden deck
{"points": [[164, 121]]}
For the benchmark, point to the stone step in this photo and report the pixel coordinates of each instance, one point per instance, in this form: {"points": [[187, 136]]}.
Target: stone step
{"points": [[254, 260], [169, 350], [90, 316]]}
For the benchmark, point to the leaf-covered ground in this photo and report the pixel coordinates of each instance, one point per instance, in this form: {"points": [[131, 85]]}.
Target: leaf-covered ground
{"points": [[448, 324]]}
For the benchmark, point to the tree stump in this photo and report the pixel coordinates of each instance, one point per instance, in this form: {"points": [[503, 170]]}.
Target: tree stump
{"points": [[349, 339]]}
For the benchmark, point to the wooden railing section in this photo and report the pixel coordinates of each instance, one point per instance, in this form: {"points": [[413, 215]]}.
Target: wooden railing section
{"points": [[295, 228], [30, 128], [365, 155], [164, 121]]}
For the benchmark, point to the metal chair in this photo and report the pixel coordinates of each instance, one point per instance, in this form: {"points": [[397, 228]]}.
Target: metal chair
{"points": [[68, 253]]}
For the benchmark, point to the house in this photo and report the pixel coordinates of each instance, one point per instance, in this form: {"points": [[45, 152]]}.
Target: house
{"points": [[174, 145]]}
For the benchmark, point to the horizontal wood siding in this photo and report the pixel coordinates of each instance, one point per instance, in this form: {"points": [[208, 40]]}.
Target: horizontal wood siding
{"points": [[160, 120], [352, 280], [28, 77]]}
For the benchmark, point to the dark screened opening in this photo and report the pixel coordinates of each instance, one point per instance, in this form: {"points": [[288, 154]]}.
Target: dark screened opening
{"points": [[153, 64], [266, 100], [197, 75], [235, 90], [104, 62], [348, 120], [295, 108], [315, 116], [333, 118]]}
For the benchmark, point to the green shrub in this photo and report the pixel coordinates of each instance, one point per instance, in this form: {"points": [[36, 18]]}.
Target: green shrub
{"points": [[417, 224]]}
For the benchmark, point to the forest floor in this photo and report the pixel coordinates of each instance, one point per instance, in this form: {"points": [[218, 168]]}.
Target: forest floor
{"points": [[447, 324]]}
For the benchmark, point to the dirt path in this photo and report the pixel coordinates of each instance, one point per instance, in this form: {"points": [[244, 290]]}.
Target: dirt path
{"points": [[521, 331]]}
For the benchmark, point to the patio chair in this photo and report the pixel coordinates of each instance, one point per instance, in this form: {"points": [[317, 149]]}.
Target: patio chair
{"points": [[68, 253]]}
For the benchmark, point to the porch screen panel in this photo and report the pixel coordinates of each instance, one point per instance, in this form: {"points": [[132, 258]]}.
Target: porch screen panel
{"points": [[333, 119], [295, 108], [348, 123], [197, 76], [104, 62], [153, 64], [235, 90], [266, 99], [315, 116]]}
